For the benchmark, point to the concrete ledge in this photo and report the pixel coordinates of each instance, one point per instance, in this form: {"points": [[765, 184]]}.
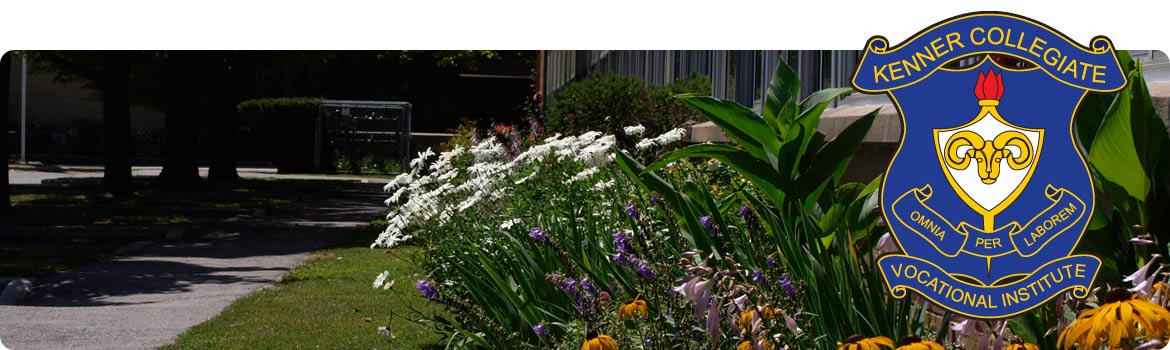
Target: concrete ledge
{"points": [[704, 132], [888, 126]]}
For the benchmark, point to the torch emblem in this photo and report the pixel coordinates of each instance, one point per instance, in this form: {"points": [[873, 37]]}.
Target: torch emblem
{"points": [[988, 160]]}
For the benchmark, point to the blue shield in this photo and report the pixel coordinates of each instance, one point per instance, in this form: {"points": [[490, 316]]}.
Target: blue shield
{"points": [[988, 195]]}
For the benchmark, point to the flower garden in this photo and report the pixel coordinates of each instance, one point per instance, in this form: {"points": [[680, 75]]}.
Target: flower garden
{"points": [[635, 241]]}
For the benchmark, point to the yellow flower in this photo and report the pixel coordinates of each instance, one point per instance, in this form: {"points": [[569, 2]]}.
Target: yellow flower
{"points": [[595, 341], [1121, 317], [633, 308], [914, 342], [744, 321], [1019, 344], [747, 345], [769, 312], [860, 342]]}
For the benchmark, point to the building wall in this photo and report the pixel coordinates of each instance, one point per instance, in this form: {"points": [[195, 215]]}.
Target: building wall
{"points": [[816, 69], [53, 108]]}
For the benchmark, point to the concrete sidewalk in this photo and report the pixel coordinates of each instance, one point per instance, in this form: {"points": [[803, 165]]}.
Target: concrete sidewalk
{"points": [[32, 175], [144, 300]]}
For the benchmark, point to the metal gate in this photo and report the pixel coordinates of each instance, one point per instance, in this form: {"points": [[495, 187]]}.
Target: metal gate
{"points": [[358, 130]]}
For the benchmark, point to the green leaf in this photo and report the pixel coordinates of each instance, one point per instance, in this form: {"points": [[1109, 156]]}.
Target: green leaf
{"points": [[788, 158], [1150, 138], [780, 103], [1088, 119], [832, 160], [755, 170], [738, 122], [821, 99], [651, 182], [1091, 112], [1114, 154], [813, 106]]}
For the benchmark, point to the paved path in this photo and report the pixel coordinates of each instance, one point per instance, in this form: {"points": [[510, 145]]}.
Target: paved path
{"points": [[144, 300]]}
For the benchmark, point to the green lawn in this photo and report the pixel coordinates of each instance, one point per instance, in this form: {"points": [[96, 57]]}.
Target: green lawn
{"points": [[327, 303]]}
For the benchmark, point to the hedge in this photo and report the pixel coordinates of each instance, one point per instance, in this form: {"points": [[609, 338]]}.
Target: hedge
{"points": [[284, 129]]}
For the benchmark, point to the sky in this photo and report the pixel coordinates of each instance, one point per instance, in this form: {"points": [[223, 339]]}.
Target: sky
{"points": [[535, 24]]}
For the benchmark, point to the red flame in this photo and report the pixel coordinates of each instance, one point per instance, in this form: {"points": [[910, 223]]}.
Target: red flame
{"points": [[990, 86]]}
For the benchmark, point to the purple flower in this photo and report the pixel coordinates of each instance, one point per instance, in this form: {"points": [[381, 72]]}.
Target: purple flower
{"points": [[621, 242], [646, 341], [588, 286], [631, 211], [582, 291], [426, 289], [540, 330], [655, 200], [758, 276], [645, 271], [788, 289], [708, 224], [770, 261], [538, 235], [745, 211], [621, 259]]}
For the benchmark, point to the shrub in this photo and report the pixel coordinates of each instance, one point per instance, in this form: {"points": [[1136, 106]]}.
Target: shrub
{"points": [[607, 102], [669, 112], [598, 102], [464, 135], [283, 129]]}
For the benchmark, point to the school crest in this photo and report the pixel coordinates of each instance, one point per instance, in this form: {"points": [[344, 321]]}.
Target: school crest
{"points": [[987, 194]]}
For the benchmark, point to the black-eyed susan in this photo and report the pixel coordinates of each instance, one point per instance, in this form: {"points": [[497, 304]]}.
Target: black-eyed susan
{"points": [[768, 312], [913, 342], [1019, 344], [634, 308], [594, 341], [747, 345], [745, 320], [1121, 318], [860, 342]]}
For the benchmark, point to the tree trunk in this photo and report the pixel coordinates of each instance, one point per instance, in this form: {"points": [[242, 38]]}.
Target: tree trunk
{"points": [[224, 117], [181, 162], [5, 81], [115, 84]]}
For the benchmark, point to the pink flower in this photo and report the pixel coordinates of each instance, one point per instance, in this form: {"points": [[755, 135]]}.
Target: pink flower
{"points": [[696, 289], [1141, 279], [886, 244]]}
